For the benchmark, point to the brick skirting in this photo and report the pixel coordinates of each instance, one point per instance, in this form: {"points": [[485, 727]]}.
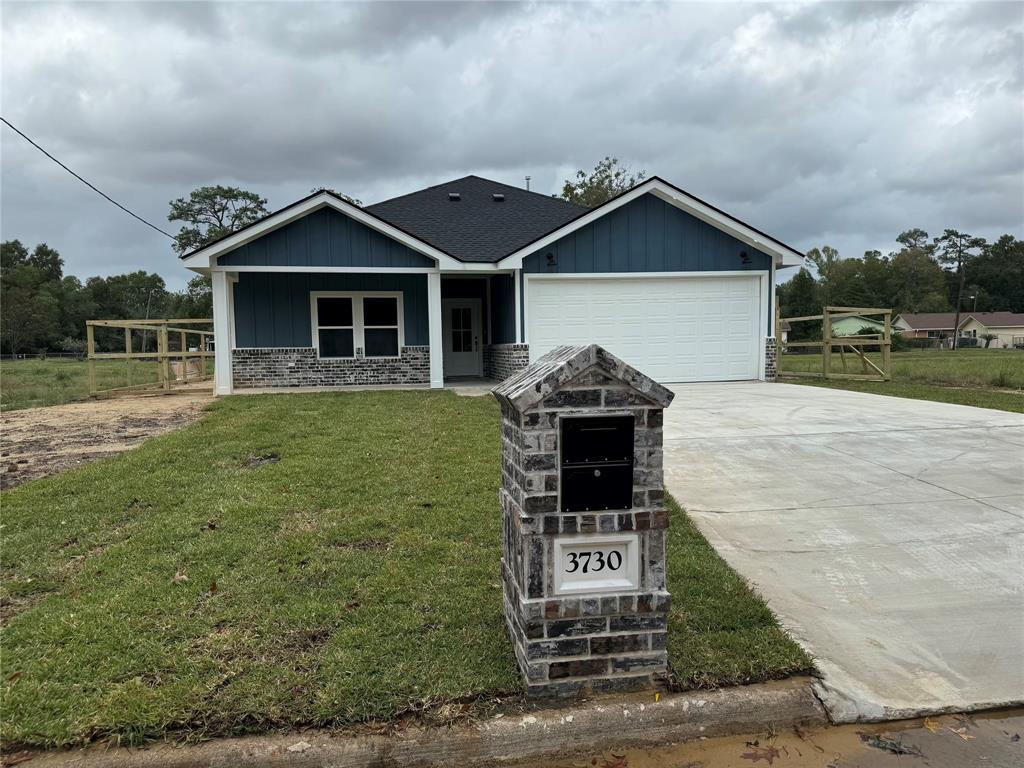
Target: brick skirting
{"points": [[502, 360], [771, 370], [300, 367]]}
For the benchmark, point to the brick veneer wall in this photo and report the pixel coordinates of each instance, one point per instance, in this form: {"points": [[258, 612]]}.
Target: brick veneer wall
{"points": [[771, 363], [300, 367], [503, 360], [571, 645]]}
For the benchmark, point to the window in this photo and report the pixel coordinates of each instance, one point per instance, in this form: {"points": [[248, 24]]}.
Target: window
{"points": [[380, 326], [349, 325]]}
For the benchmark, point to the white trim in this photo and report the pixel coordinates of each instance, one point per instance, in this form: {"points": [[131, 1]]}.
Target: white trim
{"points": [[352, 270], [434, 330], [519, 280], [206, 257], [641, 275], [358, 326], [221, 335], [783, 256], [763, 323]]}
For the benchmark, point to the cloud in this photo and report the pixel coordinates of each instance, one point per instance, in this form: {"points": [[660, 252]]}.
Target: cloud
{"points": [[839, 123]]}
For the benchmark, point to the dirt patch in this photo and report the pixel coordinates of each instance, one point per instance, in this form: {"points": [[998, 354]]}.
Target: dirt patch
{"points": [[258, 461], [37, 442]]}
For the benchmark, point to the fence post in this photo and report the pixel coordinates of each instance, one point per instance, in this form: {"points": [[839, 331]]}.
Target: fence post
{"points": [[826, 337], [90, 346], [164, 359], [887, 348], [128, 351], [184, 360]]}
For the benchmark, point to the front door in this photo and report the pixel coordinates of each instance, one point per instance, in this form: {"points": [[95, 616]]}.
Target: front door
{"points": [[460, 329]]}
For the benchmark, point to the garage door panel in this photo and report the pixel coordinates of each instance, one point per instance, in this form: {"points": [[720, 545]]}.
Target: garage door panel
{"points": [[673, 329]]}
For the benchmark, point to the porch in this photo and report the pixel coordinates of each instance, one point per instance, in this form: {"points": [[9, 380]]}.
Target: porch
{"points": [[325, 330]]}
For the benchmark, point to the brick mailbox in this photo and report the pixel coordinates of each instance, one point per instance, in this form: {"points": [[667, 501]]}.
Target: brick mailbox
{"points": [[584, 519]]}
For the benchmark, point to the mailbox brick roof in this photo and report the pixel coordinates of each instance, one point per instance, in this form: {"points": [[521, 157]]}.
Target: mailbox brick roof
{"points": [[561, 365]]}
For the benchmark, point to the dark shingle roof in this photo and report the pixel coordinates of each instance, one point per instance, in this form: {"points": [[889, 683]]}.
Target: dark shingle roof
{"points": [[476, 228]]}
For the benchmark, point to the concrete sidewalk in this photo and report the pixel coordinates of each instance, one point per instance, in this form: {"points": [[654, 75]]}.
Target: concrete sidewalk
{"points": [[888, 534]]}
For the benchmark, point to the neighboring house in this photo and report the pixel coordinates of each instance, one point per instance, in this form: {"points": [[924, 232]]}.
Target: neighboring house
{"points": [[783, 330], [852, 326], [1007, 327], [925, 325], [477, 278]]}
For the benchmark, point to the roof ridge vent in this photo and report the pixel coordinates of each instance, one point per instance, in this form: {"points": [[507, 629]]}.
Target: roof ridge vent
{"points": [[498, 197], [454, 197]]}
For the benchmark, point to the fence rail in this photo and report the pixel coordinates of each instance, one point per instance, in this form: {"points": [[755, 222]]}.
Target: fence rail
{"points": [[173, 366], [854, 343]]}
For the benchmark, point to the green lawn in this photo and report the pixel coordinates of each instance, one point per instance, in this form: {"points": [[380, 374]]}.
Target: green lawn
{"points": [[356, 578], [979, 377], [32, 383]]}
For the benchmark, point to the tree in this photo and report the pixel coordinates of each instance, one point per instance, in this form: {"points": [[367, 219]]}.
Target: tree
{"points": [[30, 292], [607, 180], [997, 275], [212, 212], [916, 279], [347, 198], [29, 317], [799, 298], [956, 250], [824, 261], [196, 300]]}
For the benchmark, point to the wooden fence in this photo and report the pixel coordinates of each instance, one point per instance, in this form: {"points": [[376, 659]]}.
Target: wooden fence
{"points": [[857, 344], [173, 366]]}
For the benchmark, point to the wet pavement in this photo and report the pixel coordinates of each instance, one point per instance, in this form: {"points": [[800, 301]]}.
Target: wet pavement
{"points": [[992, 740]]}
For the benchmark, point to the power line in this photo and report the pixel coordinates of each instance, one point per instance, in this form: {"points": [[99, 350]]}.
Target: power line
{"points": [[90, 186]]}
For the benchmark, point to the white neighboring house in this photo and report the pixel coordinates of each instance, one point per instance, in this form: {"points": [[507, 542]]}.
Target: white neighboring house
{"points": [[1007, 327]]}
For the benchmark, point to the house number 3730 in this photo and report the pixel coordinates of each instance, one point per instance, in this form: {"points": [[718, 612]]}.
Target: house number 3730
{"points": [[592, 562]]}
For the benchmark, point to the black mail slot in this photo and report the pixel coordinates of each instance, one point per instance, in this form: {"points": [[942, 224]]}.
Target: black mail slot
{"points": [[597, 463], [591, 439], [586, 489]]}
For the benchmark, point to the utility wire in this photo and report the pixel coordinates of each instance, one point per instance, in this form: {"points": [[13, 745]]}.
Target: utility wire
{"points": [[90, 186]]}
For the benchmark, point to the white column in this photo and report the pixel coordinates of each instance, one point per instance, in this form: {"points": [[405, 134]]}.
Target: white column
{"points": [[434, 324], [221, 333], [517, 277]]}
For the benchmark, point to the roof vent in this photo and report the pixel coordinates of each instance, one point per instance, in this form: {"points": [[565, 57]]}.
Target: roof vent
{"points": [[498, 197], [454, 197]]}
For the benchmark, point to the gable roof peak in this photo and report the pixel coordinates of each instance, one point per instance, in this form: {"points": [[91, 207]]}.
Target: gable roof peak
{"points": [[559, 367]]}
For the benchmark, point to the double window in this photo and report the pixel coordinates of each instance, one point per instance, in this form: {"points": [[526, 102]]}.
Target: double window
{"points": [[345, 322]]}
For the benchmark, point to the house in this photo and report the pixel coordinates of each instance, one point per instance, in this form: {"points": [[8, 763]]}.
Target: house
{"points": [[1007, 327], [476, 278], [925, 325], [852, 326]]}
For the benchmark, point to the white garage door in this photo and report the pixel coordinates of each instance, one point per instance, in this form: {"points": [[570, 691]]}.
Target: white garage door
{"points": [[671, 328]]}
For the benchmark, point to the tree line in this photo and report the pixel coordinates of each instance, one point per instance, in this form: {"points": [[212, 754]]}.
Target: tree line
{"points": [[43, 310], [954, 272]]}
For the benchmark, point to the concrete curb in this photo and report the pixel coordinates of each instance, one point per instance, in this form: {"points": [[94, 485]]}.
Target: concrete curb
{"points": [[597, 725]]}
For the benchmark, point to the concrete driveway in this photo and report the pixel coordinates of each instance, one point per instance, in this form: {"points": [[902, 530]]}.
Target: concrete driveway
{"points": [[887, 534]]}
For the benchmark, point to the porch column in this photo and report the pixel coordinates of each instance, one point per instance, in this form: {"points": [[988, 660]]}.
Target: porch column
{"points": [[221, 334], [434, 323]]}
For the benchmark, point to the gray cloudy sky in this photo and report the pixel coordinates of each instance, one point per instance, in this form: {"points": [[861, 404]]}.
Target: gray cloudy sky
{"points": [[829, 123]]}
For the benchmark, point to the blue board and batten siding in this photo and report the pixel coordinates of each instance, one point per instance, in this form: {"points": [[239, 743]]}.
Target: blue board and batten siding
{"points": [[325, 238], [646, 235], [273, 309]]}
